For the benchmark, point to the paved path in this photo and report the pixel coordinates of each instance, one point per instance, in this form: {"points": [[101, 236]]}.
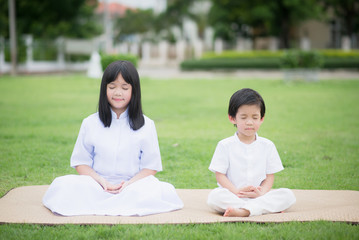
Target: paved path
{"points": [[176, 73]]}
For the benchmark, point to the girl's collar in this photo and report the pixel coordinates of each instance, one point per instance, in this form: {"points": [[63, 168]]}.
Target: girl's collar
{"points": [[122, 116]]}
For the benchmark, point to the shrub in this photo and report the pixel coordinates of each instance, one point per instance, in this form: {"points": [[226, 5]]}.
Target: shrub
{"points": [[328, 59], [337, 53], [341, 62], [107, 59], [301, 59], [243, 54], [236, 63], [21, 51], [77, 57], [44, 50]]}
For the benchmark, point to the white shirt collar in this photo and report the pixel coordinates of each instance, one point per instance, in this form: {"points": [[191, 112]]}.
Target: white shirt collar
{"points": [[235, 134], [122, 116]]}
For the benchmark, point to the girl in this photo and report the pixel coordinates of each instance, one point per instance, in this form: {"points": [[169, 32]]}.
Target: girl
{"points": [[116, 155]]}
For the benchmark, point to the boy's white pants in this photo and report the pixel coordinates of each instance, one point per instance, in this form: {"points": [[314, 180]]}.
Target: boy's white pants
{"points": [[274, 201]]}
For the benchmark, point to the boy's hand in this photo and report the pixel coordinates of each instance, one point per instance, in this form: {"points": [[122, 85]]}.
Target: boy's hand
{"points": [[247, 189], [250, 192]]}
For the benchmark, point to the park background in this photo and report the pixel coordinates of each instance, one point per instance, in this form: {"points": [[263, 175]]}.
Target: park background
{"points": [[61, 36], [312, 121]]}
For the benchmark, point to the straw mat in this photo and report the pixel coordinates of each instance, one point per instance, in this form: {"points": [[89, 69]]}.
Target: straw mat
{"points": [[23, 205]]}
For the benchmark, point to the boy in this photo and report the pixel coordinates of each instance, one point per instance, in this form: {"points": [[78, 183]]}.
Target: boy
{"points": [[245, 164]]}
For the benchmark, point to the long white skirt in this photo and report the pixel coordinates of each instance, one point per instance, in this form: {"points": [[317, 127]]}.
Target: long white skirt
{"points": [[73, 195], [276, 200]]}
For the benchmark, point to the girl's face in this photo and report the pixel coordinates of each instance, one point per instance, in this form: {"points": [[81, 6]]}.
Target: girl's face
{"points": [[248, 120], [119, 94]]}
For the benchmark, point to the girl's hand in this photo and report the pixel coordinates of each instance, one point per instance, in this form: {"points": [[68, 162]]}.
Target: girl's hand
{"points": [[109, 187], [123, 185], [250, 192], [113, 188]]}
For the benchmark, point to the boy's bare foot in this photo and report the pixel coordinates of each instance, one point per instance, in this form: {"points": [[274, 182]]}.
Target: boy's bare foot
{"points": [[236, 212]]}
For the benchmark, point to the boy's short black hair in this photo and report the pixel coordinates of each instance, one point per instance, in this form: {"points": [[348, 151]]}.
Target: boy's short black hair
{"points": [[245, 96]]}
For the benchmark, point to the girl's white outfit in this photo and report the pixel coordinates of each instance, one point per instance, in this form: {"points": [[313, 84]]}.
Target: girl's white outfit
{"points": [[116, 153], [247, 165]]}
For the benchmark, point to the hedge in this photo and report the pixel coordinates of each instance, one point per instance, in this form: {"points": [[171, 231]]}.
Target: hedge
{"points": [[107, 59], [339, 53], [329, 59], [333, 63], [237, 63], [301, 59], [279, 53], [243, 54]]}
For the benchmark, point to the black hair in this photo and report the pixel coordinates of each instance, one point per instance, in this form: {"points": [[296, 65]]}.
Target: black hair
{"points": [[130, 75], [245, 96]]}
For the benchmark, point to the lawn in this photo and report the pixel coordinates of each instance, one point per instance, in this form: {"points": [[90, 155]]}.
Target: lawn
{"points": [[315, 127]]}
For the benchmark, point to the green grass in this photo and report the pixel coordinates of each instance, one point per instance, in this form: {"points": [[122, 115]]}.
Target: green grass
{"points": [[312, 230], [314, 126]]}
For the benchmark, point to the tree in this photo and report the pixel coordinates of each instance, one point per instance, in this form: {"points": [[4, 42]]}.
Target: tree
{"points": [[178, 10], [52, 18], [225, 17], [134, 22], [266, 18], [348, 13], [144, 21]]}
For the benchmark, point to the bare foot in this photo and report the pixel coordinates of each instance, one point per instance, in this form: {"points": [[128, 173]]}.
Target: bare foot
{"points": [[236, 212]]}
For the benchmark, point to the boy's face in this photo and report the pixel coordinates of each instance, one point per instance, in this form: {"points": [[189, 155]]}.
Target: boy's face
{"points": [[248, 120]]}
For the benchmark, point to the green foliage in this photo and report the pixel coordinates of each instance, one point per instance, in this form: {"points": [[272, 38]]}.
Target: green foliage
{"points": [[44, 50], [21, 51], [225, 17], [176, 11], [243, 54], [341, 63], [250, 231], [265, 18], [337, 53], [347, 12], [158, 26], [301, 59], [327, 59], [232, 63], [174, 15], [107, 59], [77, 57], [134, 22], [50, 19]]}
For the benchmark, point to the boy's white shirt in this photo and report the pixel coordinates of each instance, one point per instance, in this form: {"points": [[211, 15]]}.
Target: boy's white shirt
{"points": [[246, 164]]}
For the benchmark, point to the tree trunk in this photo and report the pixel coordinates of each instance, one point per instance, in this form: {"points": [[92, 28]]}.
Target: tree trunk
{"points": [[284, 22], [13, 42]]}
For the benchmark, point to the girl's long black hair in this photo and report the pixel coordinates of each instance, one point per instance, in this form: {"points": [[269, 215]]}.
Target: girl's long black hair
{"points": [[130, 75]]}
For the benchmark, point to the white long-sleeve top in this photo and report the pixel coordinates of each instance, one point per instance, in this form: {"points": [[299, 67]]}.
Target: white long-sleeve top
{"points": [[117, 152]]}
